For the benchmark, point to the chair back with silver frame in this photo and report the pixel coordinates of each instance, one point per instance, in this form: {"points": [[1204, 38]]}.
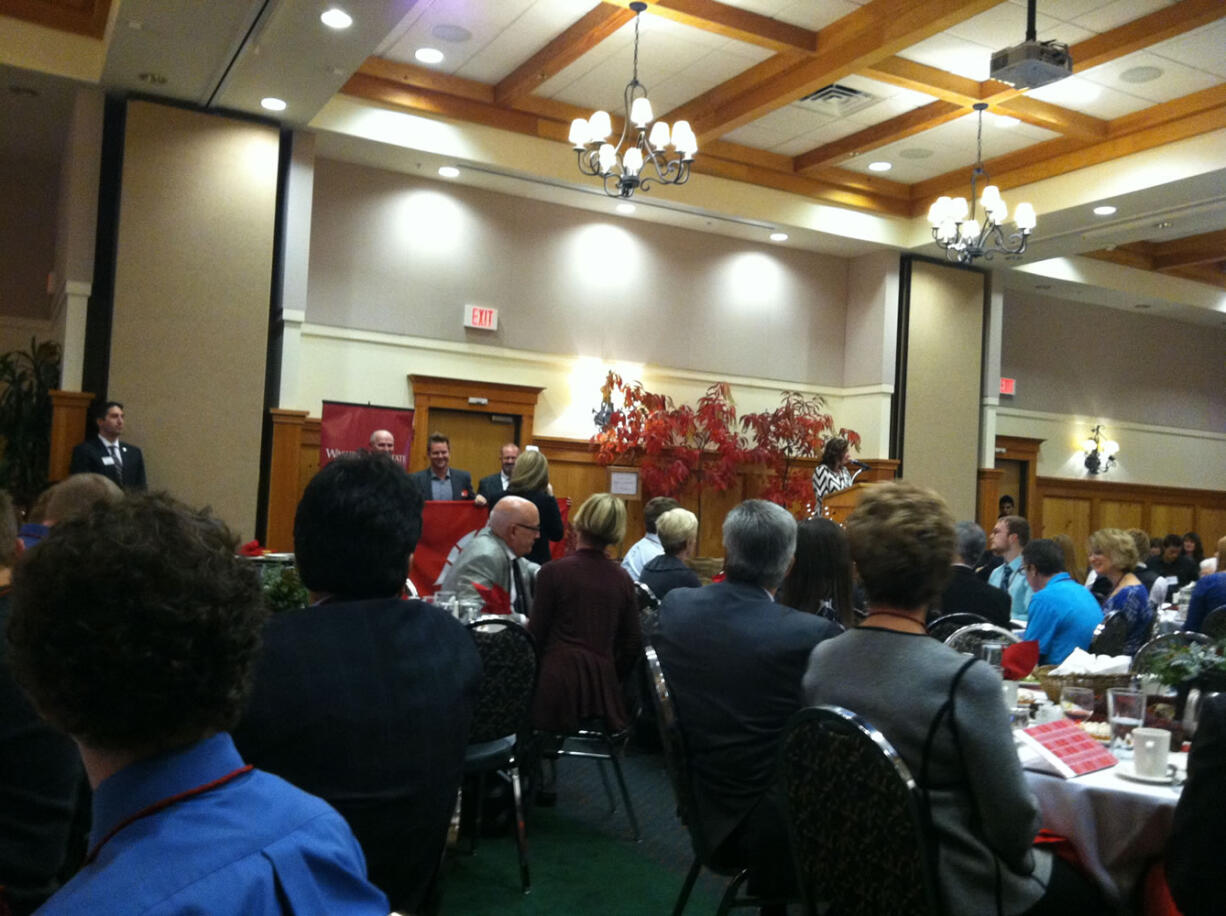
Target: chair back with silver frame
{"points": [[968, 639]]}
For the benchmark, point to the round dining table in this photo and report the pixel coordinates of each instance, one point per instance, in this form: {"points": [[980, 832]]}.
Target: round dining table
{"points": [[1118, 826]]}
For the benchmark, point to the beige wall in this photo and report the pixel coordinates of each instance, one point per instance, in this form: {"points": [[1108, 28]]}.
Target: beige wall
{"points": [[28, 191], [192, 291], [943, 380]]}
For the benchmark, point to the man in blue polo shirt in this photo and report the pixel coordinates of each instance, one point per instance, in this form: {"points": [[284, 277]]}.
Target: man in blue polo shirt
{"points": [[1063, 614], [172, 621]]}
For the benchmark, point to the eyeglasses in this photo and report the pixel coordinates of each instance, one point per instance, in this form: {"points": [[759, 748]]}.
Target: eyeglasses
{"points": [[536, 528]]}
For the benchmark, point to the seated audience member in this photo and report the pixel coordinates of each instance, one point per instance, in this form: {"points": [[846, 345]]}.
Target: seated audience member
{"points": [[1193, 547], [42, 784], [647, 547], [494, 557], [1113, 556], [1147, 576], [1009, 535], [67, 499], [989, 559], [364, 698], [1198, 834], [966, 593], [1209, 592], [173, 619], [1174, 563], [942, 713], [1069, 552], [530, 480], [586, 624], [677, 530], [733, 659], [35, 528], [819, 581], [1063, 614]]}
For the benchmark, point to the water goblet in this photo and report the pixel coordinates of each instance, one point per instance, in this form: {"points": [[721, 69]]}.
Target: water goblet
{"points": [[1077, 703], [1125, 711]]}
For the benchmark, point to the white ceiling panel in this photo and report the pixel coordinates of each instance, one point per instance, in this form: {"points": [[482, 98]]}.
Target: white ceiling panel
{"points": [[1089, 98], [1000, 26], [1203, 48], [1121, 12], [1174, 79], [955, 55], [818, 137], [813, 15]]}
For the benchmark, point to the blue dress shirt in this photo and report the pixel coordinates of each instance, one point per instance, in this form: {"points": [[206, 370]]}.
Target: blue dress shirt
{"points": [[1019, 589], [1063, 616], [251, 845]]}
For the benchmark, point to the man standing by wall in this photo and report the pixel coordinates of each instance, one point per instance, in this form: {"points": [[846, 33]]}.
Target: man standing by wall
{"points": [[441, 481], [105, 454], [381, 440], [491, 487]]}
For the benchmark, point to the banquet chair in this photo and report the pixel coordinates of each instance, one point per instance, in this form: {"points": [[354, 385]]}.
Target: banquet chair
{"points": [[501, 713], [1111, 635], [736, 894], [1214, 624], [594, 740], [855, 817], [944, 627], [968, 639], [1159, 644]]}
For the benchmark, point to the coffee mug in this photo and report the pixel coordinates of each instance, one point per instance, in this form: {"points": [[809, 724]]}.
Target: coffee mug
{"points": [[1150, 748]]}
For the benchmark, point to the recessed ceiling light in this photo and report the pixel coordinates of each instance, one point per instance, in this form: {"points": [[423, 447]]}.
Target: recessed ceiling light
{"points": [[1104, 210], [336, 18], [1141, 74], [779, 236], [452, 33], [429, 55], [1165, 224], [915, 152], [1007, 121], [880, 166], [449, 171], [625, 208], [273, 104]]}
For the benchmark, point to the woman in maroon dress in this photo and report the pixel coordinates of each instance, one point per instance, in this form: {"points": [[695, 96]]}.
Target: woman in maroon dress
{"points": [[586, 622]]}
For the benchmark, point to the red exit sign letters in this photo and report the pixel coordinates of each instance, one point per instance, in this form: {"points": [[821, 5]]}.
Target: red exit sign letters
{"points": [[480, 317]]}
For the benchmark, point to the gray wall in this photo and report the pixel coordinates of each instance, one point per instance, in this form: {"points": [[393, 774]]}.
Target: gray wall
{"points": [[28, 191], [1074, 358], [393, 253]]}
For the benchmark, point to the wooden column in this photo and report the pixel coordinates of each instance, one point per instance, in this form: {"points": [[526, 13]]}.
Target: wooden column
{"points": [[69, 410], [283, 484]]}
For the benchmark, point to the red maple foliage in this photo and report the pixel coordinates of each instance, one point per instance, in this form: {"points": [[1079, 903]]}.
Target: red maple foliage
{"points": [[798, 428], [680, 448]]}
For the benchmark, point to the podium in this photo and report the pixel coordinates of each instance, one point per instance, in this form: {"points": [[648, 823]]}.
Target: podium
{"points": [[837, 506]]}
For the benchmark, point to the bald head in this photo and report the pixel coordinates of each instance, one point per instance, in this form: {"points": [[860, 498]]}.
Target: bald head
{"points": [[381, 440], [517, 522]]}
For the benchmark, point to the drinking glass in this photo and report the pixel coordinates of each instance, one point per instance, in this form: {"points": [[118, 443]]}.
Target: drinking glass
{"points": [[445, 601], [1077, 703], [1125, 711], [990, 652]]}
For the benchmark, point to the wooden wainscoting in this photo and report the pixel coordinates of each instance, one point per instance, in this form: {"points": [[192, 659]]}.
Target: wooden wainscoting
{"points": [[1080, 507], [573, 471]]}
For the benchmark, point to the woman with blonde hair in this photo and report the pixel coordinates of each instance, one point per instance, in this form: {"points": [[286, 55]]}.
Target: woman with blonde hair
{"points": [[677, 530], [1113, 556], [530, 479]]}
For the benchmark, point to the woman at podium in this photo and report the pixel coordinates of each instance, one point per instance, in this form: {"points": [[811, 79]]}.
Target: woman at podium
{"points": [[832, 474]]}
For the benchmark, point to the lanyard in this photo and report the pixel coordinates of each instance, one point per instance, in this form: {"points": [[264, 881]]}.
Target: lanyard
{"points": [[161, 805]]}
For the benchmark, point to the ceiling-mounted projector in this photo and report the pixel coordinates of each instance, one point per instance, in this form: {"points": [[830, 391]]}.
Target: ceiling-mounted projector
{"points": [[1032, 64]]}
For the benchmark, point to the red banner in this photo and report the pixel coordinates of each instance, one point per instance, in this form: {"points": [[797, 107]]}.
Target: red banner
{"points": [[347, 428], [446, 528]]}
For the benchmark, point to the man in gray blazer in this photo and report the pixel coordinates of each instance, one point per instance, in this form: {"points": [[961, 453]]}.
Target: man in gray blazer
{"points": [[441, 480], [494, 557]]}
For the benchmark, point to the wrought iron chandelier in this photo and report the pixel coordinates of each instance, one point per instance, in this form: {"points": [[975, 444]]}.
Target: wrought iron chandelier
{"points": [[1100, 451], [624, 172], [956, 228]]}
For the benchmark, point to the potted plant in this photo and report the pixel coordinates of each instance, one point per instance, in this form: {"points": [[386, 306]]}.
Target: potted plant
{"points": [[27, 378]]}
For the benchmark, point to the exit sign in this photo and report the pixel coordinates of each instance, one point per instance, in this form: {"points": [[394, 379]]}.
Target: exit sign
{"points": [[480, 317], [1007, 385]]}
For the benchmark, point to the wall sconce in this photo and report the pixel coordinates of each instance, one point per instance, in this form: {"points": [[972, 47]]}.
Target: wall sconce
{"points": [[1100, 452]]}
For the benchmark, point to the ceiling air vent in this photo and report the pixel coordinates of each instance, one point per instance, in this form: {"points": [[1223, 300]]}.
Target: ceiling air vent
{"points": [[837, 101]]}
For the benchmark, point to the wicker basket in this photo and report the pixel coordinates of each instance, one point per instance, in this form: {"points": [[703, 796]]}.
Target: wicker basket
{"points": [[1098, 682]]}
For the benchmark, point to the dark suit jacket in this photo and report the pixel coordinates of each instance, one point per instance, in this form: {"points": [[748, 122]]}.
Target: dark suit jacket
{"points": [[968, 594], [1198, 835], [87, 459], [461, 484], [367, 705], [734, 661], [490, 487]]}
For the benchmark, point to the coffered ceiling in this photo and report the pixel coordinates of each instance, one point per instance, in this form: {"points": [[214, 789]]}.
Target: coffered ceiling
{"points": [[1140, 126]]}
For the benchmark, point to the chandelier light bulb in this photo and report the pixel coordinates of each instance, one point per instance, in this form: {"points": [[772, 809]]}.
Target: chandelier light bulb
{"points": [[580, 131], [640, 112], [959, 209], [1089, 445], [684, 139], [659, 135], [1111, 447], [608, 157], [632, 160], [969, 229], [600, 125], [1024, 217], [991, 197], [947, 230]]}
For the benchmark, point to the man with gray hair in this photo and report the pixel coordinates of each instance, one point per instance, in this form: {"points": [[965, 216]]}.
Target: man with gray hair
{"points": [[734, 660], [966, 592]]}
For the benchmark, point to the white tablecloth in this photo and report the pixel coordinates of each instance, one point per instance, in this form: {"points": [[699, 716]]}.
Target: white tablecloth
{"points": [[1117, 826]]}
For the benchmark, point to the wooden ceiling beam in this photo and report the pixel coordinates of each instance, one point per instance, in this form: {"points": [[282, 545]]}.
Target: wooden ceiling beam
{"points": [[598, 24], [83, 17], [1213, 274], [1165, 23], [1122, 255], [878, 29], [905, 125], [1053, 117], [411, 75], [734, 22], [910, 74], [1192, 251]]}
